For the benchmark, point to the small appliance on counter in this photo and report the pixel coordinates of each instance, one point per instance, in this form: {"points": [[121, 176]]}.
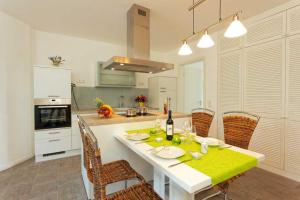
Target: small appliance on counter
{"points": [[142, 110]]}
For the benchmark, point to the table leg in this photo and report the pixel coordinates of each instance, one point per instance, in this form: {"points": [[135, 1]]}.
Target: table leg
{"points": [[159, 183], [178, 193]]}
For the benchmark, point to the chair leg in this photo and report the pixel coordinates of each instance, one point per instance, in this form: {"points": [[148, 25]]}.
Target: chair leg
{"points": [[212, 195], [126, 184], [226, 197]]}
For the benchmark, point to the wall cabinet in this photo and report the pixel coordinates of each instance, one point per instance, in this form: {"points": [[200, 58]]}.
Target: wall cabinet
{"points": [[52, 82], [161, 88]]}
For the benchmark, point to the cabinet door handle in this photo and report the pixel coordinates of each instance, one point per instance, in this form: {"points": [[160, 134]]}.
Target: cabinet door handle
{"points": [[163, 88], [162, 91], [53, 96], [56, 140], [51, 133]]}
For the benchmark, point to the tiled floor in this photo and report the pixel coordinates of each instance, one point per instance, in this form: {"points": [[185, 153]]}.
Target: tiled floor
{"points": [[61, 180], [51, 180]]}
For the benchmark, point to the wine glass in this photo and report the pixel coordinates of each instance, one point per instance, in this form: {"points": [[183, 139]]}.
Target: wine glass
{"points": [[187, 128], [157, 125]]}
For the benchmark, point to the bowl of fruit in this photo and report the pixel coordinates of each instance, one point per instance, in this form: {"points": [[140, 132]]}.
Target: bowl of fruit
{"points": [[103, 110]]}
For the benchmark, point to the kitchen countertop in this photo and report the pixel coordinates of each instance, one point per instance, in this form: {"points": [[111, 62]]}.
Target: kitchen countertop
{"points": [[95, 120], [93, 110]]}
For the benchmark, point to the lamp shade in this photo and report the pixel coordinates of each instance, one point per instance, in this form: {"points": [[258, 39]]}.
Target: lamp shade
{"points": [[235, 29], [205, 41], [185, 49]]}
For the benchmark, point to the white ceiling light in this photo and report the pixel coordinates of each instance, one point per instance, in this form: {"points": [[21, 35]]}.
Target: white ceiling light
{"points": [[235, 29], [185, 49], [205, 41]]}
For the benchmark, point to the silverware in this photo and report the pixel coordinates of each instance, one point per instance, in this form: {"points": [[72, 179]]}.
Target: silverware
{"points": [[225, 147], [140, 142], [184, 161]]}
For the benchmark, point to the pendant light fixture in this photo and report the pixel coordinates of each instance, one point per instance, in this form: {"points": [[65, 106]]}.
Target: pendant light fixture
{"points": [[185, 49], [205, 41], [235, 29]]}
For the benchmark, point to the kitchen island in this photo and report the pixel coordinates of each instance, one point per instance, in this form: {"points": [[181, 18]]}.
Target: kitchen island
{"points": [[111, 149]]}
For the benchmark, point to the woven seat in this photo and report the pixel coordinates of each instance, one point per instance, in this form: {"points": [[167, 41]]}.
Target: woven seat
{"points": [[102, 176], [140, 191], [113, 172], [202, 119]]}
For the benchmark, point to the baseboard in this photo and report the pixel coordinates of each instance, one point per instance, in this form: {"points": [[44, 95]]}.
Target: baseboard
{"points": [[280, 172], [15, 162], [40, 158]]}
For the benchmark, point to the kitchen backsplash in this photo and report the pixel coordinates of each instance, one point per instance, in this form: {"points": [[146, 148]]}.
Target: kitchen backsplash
{"points": [[85, 96]]}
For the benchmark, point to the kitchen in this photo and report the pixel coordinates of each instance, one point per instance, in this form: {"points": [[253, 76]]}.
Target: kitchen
{"points": [[253, 73]]}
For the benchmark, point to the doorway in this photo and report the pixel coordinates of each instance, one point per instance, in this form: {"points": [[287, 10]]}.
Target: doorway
{"points": [[193, 86]]}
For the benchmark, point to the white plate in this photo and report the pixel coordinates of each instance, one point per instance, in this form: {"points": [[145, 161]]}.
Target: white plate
{"points": [[210, 141], [169, 152], [138, 136]]}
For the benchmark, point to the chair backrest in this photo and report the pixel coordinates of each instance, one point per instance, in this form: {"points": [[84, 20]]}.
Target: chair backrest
{"points": [[202, 119], [86, 158], [239, 128], [81, 129], [96, 163]]}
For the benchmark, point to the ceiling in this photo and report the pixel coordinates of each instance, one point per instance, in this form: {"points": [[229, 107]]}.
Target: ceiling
{"points": [[105, 20]]}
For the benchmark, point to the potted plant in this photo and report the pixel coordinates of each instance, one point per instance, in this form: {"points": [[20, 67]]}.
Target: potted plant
{"points": [[141, 100]]}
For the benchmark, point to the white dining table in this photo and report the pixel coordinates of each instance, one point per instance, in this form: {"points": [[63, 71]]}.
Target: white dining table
{"points": [[184, 181]]}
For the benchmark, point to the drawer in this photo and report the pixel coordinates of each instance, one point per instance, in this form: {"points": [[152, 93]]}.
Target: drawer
{"points": [[52, 134], [45, 146]]}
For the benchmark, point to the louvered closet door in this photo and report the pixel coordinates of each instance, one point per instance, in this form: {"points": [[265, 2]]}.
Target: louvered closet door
{"points": [[293, 20], [293, 77], [264, 76], [229, 85], [270, 28], [268, 140], [292, 145], [263, 95], [229, 44]]}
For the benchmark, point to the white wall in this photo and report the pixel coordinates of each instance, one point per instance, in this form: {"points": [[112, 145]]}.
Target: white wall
{"points": [[80, 54], [209, 56], [16, 110]]}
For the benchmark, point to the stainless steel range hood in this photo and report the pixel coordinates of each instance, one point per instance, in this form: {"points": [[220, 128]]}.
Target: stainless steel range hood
{"points": [[138, 45]]}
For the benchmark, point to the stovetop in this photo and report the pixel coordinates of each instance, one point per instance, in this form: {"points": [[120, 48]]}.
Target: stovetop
{"points": [[138, 115]]}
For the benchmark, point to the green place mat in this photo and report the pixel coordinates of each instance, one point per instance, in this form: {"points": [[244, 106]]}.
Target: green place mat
{"points": [[219, 164]]}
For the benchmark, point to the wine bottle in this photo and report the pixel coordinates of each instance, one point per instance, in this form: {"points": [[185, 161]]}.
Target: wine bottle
{"points": [[170, 126]]}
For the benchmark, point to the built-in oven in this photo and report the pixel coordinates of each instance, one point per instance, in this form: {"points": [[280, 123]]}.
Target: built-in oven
{"points": [[52, 113]]}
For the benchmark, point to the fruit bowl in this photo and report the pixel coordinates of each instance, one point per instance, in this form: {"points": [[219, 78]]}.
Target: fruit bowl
{"points": [[105, 110]]}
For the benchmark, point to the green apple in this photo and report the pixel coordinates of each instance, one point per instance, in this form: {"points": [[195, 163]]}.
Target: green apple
{"points": [[176, 140]]}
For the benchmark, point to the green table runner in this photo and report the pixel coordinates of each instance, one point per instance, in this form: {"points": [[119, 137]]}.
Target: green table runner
{"points": [[219, 164]]}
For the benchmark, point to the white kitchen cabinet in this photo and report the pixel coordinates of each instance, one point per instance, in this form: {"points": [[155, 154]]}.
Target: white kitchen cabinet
{"points": [[161, 88], [52, 141], [141, 80], [52, 82]]}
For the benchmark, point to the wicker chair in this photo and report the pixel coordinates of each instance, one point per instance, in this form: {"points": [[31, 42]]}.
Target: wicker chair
{"points": [[201, 119], [114, 171], [238, 130], [86, 162], [102, 177]]}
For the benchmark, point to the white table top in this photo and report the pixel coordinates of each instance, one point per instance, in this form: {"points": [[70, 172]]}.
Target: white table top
{"points": [[186, 177]]}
